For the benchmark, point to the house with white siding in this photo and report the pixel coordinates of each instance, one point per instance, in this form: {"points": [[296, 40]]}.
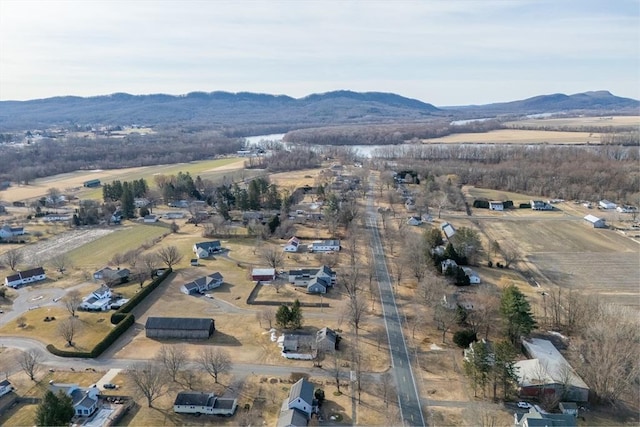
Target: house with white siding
{"points": [[25, 277]]}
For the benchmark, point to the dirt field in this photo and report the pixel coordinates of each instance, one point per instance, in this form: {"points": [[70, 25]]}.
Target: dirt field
{"points": [[514, 136], [609, 121]]}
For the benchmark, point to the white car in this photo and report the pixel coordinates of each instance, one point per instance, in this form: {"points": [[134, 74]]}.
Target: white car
{"points": [[208, 296], [524, 405], [57, 299]]}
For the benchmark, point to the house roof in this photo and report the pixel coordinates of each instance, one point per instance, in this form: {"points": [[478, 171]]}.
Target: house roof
{"points": [[292, 417], [180, 323], [326, 334], [533, 418], [303, 389], [4, 383], [214, 244], [448, 230], [546, 365], [263, 272], [326, 243], [196, 398], [224, 403], [26, 274], [592, 218]]}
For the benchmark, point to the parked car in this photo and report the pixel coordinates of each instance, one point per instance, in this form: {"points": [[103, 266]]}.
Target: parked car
{"points": [[524, 405], [110, 386]]}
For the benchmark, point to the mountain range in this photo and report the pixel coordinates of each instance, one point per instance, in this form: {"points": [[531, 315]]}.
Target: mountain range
{"points": [[246, 112]]}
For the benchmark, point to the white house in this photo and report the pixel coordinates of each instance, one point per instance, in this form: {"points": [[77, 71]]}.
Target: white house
{"points": [[195, 402], [293, 245], [25, 277], [85, 399], [325, 246], [296, 409], [203, 284], [99, 300], [496, 206], [605, 204], [206, 249], [595, 221], [5, 387], [448, 263], [6, 231], [474, 279]]}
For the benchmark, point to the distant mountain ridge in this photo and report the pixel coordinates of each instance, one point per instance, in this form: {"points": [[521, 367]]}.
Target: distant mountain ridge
{"points": [[256, 111]]}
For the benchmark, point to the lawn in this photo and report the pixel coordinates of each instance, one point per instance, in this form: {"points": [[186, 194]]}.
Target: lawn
{"points": [[129, 236], [92, 327]]}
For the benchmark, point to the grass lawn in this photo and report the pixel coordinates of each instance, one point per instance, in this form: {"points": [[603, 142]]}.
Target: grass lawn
{"points": [[98, 252], [92, 327], [22, 414]]}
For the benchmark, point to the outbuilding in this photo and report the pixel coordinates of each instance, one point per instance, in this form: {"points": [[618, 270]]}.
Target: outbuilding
{"points": [[496, 206], [263, 274], [179, 327], [595, 221]]}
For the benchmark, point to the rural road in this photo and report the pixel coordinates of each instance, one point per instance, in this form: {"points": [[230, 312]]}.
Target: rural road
{"points": [[408, 395]]}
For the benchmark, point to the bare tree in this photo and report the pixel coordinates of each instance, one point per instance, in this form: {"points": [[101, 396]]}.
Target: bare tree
{"points": [[337, 369], [30, 363], [170, 256], [119, 258], [72, 301], [380, 335], [131, 257], [67, 329], [414, 256], [509, 254], [60, 262], [351, 244], [357, 309], [267, 314], [190, 379], [277, 285], [149, 379], [151, 263], [273, 256], [12, 258], [214, 361], [351, 280], [445, 319], [173, 358], [386, 387], [21, 321]]}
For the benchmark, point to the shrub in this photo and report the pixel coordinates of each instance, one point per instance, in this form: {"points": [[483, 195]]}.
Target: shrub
{"points": [[464, 337], [139, 297]]}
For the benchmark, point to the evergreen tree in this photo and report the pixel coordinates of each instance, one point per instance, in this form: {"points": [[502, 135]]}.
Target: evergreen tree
{"points": [[54, 409], [295, 318], [477, 366], [503, 371], [128, 205], [274, 223], [283, 316], [516, 314]]}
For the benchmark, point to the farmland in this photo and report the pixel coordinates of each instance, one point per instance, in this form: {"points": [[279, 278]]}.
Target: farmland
{"points": [[516, 136]]}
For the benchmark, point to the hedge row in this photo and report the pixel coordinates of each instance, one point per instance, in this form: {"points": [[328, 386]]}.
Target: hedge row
{"points": [[109, 339], [120, 314]]}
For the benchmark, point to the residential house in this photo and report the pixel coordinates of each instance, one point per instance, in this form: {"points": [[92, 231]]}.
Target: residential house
{"points": [[541, 205], [474, 279], [7, 232], [300, 400], [111, 276], [84, 399], [535, 418], [5, 387], [25, 277], [263, 274], [496, 206], [196, 402], [179, 327], [595, 221], [325, 246], [174, 215], [448, 230], [206, 249], [414, 220], [447, 263], [293, 245], [316, 280], [547, 373], [327, 340], [606, 204], [203, 284], [99, 300]]}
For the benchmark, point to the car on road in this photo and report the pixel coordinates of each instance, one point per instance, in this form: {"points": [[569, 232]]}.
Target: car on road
{"points": [[208, 296], [524, 405], [57, 299], [110, 386]]}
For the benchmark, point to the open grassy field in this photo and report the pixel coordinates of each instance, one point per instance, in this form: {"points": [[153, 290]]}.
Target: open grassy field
{"points": [[609, 121], [73, 181], [516, 136]]}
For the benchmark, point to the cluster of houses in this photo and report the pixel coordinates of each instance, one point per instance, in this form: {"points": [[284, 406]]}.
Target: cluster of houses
{"points": [[449, 264], [303, 346]]}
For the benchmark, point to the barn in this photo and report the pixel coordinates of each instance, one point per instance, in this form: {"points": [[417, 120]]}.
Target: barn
{"points": [[595, 221], [179, 327], [263, 274]]}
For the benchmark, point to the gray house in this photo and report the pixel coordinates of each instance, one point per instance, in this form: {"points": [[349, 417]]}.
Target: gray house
{"points": [[296, 409], [196, 402], [316, 280], [179, 327], [203, 284]]}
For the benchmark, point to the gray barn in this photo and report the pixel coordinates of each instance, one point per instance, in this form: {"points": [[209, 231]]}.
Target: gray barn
{"points": [[179, 327]]}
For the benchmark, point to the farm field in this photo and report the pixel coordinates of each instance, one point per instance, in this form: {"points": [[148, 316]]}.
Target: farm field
{"points": [[516, 136], [75, 180], [609, 121]]}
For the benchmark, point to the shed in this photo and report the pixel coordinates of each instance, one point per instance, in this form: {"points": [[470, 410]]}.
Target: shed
{"points": [[606, 204], [92, 183], [179, 327], [496, 206], [595, 221], [263, 274]]}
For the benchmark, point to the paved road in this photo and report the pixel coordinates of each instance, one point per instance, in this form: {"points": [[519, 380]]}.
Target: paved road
{"points": [[408, 395]]}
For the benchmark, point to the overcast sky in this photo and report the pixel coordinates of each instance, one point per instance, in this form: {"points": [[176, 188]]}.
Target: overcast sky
{"points": [[450, 52]]}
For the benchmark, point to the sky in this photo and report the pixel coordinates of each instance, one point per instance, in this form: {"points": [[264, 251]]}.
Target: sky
{"points": [[450, 52]]}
